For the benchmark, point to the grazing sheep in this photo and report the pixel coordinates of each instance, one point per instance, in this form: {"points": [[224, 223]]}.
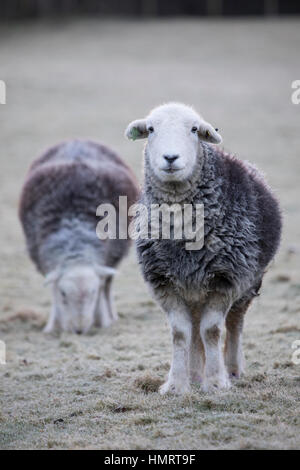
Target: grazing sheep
{"points": [[203, 290], [57, 209]]}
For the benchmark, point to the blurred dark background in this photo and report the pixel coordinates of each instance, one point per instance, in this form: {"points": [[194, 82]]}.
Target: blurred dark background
{"points": [[19, 9]]}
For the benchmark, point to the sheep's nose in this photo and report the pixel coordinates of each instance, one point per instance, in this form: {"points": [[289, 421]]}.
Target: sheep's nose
{"points": [[171, 158], [78, 332]]}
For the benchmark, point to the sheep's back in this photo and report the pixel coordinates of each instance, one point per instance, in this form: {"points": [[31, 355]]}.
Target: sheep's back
{"points": [[67, 183], [248, 195]]}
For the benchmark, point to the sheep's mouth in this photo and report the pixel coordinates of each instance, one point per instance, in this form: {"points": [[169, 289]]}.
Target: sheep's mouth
{"points": [[171, 169]]}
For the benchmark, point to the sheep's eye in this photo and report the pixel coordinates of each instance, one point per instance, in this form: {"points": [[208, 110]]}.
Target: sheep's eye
{"points": [[150, 129], [194, 129]]}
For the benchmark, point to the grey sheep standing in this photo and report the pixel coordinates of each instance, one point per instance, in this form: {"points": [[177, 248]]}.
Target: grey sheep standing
{"points": [[57, 210], [203, 290]]}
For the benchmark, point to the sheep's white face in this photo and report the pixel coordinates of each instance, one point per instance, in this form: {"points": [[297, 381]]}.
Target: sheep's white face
{"points": [[76, 294], [173, 132], [172, 146]]}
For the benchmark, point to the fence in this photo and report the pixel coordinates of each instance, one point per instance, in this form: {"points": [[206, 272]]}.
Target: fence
{"points": [[14, 9]]}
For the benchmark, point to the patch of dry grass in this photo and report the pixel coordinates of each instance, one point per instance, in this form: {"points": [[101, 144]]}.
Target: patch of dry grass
{"points": [[148, 384]]}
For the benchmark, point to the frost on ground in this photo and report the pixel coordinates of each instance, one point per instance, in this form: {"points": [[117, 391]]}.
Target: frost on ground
{"points": [[100, 390]]}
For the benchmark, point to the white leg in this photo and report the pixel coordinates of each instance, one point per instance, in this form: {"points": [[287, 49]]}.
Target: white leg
{"points": [[102, 315], [52, 321], [211, 326], [109, 296], [234, 358], [197, 357], [178, 379]]}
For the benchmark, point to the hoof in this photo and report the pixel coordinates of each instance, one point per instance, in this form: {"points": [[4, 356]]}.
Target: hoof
{"points": [[174, 389], [235, 372], [217, 382], [48, 329]]}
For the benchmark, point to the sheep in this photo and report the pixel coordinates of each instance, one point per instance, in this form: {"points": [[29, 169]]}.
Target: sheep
{"points": [[57, 209], [204, 290]]}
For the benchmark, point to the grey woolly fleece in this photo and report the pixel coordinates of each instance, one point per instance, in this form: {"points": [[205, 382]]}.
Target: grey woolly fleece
{"points": [[242, 230], [59, 199]]}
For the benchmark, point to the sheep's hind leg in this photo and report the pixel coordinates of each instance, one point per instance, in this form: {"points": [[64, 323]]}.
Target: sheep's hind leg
{"points": [[211, 327], [197, 356], [181, 327], [234, 358]]}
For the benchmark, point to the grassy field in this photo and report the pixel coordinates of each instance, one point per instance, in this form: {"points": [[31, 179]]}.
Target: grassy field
{"points": [[89, 79]]}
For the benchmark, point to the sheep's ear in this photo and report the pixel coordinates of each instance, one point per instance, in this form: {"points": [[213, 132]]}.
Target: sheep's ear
{"points": [[137, 130], [207, 133], [105, 271], [52, 277]]}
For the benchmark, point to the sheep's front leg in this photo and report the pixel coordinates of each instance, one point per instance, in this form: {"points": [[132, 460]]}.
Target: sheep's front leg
{"points": [[108, 292], [52, 321], [197, 357], [178, 379], [211, 326], [102, 315]]}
